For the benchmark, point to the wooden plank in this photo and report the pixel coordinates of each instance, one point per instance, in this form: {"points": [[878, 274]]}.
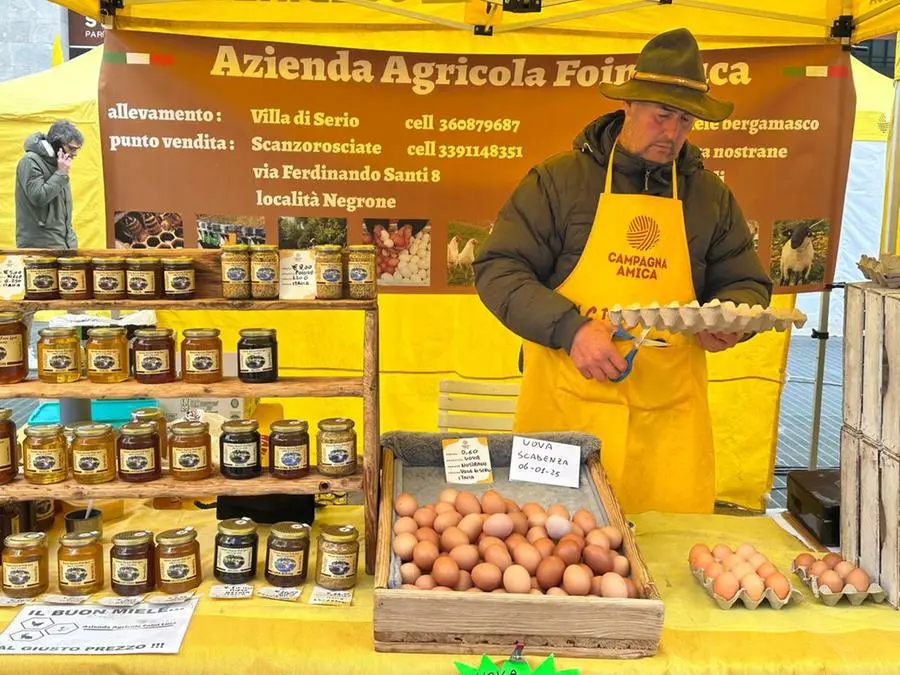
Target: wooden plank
{"points": [[284, 387], [474, 422], [890, 527], [870, 507], [482, 405], [423, 643], [890, 411], [854, 312], [371, 434], [478, 388], [873, 357], [20, 490], [385, 521], [850, 506]]}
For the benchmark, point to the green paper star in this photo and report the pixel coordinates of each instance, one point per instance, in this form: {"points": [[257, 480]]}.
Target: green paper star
{"points": [[488, 667]]}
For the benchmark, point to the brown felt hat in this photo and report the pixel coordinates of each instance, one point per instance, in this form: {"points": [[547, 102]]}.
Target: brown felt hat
{"points": [[669, 71]]}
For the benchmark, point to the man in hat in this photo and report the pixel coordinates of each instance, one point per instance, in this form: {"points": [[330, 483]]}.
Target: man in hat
{"points": [[629, 215]]}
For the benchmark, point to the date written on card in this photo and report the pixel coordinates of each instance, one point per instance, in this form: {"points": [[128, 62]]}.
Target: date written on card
{"points": [[537, 461]]}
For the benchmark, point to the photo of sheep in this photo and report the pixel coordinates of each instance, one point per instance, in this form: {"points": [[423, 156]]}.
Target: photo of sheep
{"points": [[300, 232], [148, 229], [217, 230], [463, 242], [799, 251], [402, 250]]}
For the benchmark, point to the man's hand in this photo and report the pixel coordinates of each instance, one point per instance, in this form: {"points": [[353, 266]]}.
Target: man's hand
{"points": [[594, 353], [63, 162], [717, 342]]}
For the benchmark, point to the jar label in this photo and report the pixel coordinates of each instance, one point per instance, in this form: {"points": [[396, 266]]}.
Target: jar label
{"points": [[235, 273], [129, 572], [11, 352], [234, 559], [240, 454], [104, 361], [59, 360], [44, 460], [328, 273], [177, 570], [263, 271], [108, 282], [77, 573], [141, 282], [152, 361], [41, 281], [137, 460], [291, 457], [6, 458], [21, 574], [43, 508], [361, 272], [201, 361], [179, 281], [338, 566], [255, 360], [185, 460], [72, 281], [89, 460], [337, 454], [285, 563]]}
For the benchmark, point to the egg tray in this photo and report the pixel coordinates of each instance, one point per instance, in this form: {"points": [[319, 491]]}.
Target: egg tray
{"points": [[884, 271], [768, 596], [830, 598], [723, 317]]}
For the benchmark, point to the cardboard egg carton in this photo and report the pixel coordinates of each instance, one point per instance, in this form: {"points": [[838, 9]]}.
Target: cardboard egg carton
{"points": [[830, 598], [724, 317], [768, 596], [884, 271]]}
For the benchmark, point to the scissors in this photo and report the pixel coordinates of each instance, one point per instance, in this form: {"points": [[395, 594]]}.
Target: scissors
{"points": [[641, 340]]}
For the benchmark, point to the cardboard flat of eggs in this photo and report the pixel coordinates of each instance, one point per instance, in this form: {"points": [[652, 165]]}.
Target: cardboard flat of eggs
{"points": [[884, 271], [830, 598], [724, 317], [741, 596]]}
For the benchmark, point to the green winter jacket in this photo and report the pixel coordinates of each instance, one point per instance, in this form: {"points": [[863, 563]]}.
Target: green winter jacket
{"points": [[43, 199], [542, 230]]}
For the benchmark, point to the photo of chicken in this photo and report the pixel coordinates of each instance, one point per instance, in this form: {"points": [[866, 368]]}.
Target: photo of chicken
{"points": [[464, 239], [799, 251], [402, 250]]}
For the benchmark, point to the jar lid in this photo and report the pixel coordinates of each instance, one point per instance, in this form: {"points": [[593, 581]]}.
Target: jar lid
{"points": [[362, 248], [39, 259], [240, 425], [74, 260], [25, 540], [184, 535], [115, 260], [72, 426], [143, 262], [257, 332], [146, 414], [92, 430], [263, 247], [137, 428], [43, 430], [189, 428], [289, 425], [237, 526], [5, 413], [200, 332], [57, 332], [78, 539], [236, 248], [132, 538], [328, 248], [106, 332], [11, 317], [339, 534], [154, 332], [336, 424], [290, 530], [178, 261]]}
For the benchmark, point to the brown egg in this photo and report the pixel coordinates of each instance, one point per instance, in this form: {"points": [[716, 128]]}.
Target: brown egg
{"points": [[585, 520], [531, 507], [569, 551], [513, 540], [409, 572], [779, 585], [831, 580], [545, 547], [498, 555], [445, 571], [587, 570], [520, 522], [498, 525], [536, 533], [537, 519], [599, 559], [832, 560], [632, 588], [742, 570], [804, 560], [403, 545], [453, 537], [424, 555], [409, 586], [512, 507], [445, 520], [726, 586], [556, 591], [448, 496], [465, 556], [534, 583], [597, 538], [844, 568], [486, 576], [713, 570], [721, 551], [535, 591], [558, 510], [578, 540], [859, 580], [475, 589], [405, 524], [441, 588], [516, 579], [424, 517], [757, 560], [754, 586], [595, 585], [613, 585], [765, 570], [613, 534], [695, 551], [427, 534], [557, 527], [527, 556], [405, 504], [746, 551], [426, 582], [492, 502], [701, 560], [732, 561], [576, 530], [499, 590], [576, 581], [621, 566], [486, 542], [550, 572], [471, 525], [817, 568], [467, 503], [444, 507]]}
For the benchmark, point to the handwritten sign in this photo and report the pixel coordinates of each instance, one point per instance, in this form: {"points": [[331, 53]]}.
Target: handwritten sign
{"points": [[121, 601], [298, 275], [284, 594], [323, 596], [12, 277], [231, 592], [544, 462], [65, 599], [467, 460], [176, 599]]}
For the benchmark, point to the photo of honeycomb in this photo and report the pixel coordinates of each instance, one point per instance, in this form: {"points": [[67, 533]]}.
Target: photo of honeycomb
{"points": [[146, 229]]}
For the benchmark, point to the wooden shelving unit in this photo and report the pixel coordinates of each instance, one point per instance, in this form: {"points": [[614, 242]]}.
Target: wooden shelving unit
{"points": [[209, 296]]}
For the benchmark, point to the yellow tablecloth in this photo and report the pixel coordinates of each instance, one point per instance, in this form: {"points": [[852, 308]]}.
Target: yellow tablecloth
{"points": [[273, 637]]}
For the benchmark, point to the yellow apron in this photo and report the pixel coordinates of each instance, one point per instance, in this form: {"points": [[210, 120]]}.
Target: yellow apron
{"points": [[654, 426]]}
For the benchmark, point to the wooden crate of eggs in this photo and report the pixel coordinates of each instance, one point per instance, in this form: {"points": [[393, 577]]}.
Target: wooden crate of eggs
{"points": [[832, 579], [474, 569]]}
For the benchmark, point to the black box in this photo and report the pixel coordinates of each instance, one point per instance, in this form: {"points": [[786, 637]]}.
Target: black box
{"points": [[814, 498]]}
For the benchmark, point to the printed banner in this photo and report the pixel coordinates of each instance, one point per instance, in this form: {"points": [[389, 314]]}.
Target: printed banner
{"points": [[209, 141]]}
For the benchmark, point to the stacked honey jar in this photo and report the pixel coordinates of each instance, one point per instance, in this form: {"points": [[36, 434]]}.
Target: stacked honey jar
{"points": [[172, 564]]}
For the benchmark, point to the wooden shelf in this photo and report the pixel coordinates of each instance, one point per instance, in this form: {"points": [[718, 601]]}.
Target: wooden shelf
{"points": [[20, 490], [285, 387], [182, 305]]}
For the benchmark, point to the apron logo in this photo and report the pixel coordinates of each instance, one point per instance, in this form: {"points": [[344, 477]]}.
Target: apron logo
{"points": [[637, 266], [643, 233]]}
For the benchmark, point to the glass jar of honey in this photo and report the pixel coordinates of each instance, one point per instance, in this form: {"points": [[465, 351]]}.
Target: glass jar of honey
{"points": [[257, 355], [178, 556], [94, 454], [76, 280], [336, 447], [236, 550], [201, 356], [107, 355], [69, 435], [144, 278], [289, 448], [132, 563], [236, 272], [41, 278], [13, 348], [138, 452], [154, 355], [59, 355], [287, 554], [179, 278], [239, 447], [157, 416], [26, 565], [80, 563], [44, 454], [191, 454], [338, 557], [9, 463], [109, 278], [44, 514]]}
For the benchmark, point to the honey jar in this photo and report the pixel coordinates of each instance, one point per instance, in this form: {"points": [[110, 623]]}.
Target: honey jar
{"points": [[289, 448], [44, 514], [265, 266], [180, 281], [59, 355], [132, 563], [178, 556], [191, 454], [107, 355], [155, 415], [236, 272], [26, 567], [361, 272], [9, 464], [41, 278], [236, 551], [287, 554], [144, 278], [69, 435], [329, 272], [109, 278], [138, 452], [76, 279], [154, 355], [201, 356], [336, 447], [13, 348], [44, 454], [94, 454], [80, 563], [338, 557], [257, 355], [240, 454]]}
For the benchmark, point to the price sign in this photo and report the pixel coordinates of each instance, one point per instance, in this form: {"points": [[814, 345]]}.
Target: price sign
{"points": [[284, 594], [231, 592], [544, 462], [298, 275], [467, 460], [323, 596]]}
